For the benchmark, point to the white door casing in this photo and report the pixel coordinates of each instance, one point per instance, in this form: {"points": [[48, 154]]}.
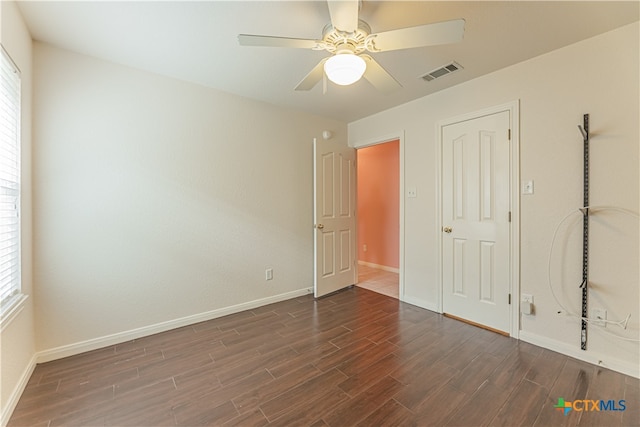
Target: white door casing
{"points": [[476, 254], [334, 217]]}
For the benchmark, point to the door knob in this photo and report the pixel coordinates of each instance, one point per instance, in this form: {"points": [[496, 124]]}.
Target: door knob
{"points": [[447, 229], [319, 226]]}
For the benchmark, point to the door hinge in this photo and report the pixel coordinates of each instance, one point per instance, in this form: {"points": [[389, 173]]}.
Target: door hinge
{"points": [[509, 134], [509, 216], [509, 299]]}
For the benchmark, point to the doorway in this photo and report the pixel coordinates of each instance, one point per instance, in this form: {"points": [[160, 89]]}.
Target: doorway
{"points": [[378, 217]]}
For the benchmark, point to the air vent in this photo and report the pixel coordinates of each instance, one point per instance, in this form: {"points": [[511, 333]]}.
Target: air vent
{"points": [[442, 71]]}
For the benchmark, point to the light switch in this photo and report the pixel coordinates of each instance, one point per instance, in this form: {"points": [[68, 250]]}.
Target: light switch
{"points": [[527, 187], [412, 192]]}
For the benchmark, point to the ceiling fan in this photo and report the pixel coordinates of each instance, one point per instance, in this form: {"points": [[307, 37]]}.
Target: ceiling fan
{"points": [[348, 37]]}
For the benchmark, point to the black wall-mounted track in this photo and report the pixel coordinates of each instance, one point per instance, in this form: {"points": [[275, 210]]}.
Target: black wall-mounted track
{"points": [[585, 235]]}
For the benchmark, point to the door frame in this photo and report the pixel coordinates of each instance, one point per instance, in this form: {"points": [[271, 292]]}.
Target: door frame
{"points": [[398, 135], [514, 203]]}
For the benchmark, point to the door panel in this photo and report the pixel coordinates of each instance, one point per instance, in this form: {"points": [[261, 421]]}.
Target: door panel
{"points": [[334, 217], [458, 263], [487, 278], [475, 215], [346, 260], [328, 259], [327, 180]]}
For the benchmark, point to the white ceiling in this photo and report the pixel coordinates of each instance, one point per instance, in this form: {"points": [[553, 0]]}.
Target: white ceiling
{"points": [[197, 42]]}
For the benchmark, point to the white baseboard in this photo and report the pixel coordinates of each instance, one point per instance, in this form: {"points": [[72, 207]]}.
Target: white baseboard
{"points": [[380, 267], [624, 367], [120, 337], [420, 303], [12, 402]]}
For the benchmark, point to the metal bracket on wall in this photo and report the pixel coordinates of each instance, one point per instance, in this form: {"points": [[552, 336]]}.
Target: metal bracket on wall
{"points": [[584, 130]]}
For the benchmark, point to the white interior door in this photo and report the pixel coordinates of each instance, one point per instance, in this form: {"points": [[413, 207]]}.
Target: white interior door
{"points": [[334, 216], [475, 220]]}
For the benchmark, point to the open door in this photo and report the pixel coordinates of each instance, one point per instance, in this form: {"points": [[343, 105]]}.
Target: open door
{"points": [[334, 215]]}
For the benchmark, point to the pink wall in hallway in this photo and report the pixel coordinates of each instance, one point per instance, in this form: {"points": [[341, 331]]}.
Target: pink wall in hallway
{"points": [[379, 204]]}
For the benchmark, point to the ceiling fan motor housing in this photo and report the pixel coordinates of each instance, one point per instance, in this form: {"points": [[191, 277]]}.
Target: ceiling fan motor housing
{"points": [[336, 41]]}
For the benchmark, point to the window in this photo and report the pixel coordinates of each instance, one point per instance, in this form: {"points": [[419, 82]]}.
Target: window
{"points": [[9, 183]]}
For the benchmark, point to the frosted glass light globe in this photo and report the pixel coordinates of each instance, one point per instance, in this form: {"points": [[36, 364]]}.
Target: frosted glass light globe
{"points": [[345, 68]]}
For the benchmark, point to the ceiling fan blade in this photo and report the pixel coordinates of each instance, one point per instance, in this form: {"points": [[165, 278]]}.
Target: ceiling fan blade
{"points": [[271, 41], [314, 76], [344, 14], [379, 77], [422, 35]]}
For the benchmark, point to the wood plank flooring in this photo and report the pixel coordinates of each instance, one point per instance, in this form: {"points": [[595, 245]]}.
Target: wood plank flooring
{"points": [[355, 358]]}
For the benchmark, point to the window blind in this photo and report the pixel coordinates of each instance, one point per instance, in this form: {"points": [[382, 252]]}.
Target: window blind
{"points": [[9, 181]]}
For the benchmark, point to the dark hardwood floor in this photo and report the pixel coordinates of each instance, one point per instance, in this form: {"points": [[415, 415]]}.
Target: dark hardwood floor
{"points": [[353, 358]]}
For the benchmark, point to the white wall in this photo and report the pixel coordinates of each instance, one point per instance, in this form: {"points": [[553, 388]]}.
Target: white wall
{"points": [[597, 76], [17, 346], [157, 200]]}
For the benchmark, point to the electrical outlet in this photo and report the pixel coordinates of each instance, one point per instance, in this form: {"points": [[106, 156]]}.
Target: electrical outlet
{"points": [[598, 316], [268, 274], [364, 248], [526, 298]]}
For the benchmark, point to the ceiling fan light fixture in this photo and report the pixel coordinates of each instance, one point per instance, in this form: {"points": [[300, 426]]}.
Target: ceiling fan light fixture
{"points": [[345, 68]]}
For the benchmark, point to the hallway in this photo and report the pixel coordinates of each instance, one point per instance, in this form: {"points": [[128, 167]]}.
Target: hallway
{"points": [[377, 280]]}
